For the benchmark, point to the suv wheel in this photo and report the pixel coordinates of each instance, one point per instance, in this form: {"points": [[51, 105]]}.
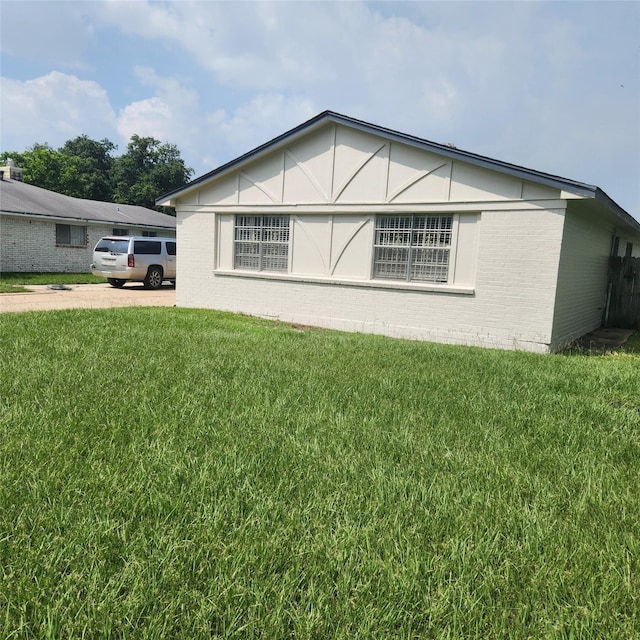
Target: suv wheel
{"points": [[154, 278], [116, 282]]}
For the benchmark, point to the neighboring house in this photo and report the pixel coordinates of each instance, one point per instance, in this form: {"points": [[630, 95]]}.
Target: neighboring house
{"points": [[41, 230], [342, 224]]}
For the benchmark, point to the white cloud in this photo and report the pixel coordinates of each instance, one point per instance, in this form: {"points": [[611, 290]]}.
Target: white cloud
{"points": [[175, 114], [52, 108], [261, 119], [151, 117], [288, 61], [343, 56], [530, 83], [170, 114]]}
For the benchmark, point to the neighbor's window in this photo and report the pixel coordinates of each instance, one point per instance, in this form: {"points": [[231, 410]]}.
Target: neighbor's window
{"points": [[71, 235], [261, 243], [412, 248], [120, 232]]}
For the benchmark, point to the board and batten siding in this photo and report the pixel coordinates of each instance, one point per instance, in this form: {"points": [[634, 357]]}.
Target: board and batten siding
{"points": [[339, 247], [337, 166], [332, 183], [510, 305]]}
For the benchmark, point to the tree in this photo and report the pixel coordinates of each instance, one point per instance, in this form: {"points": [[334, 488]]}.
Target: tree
{"points": [[62, 171], [147, 170], [94, 163], [45, 167], [85, 168]]}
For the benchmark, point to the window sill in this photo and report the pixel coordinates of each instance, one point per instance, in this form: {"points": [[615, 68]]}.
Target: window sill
{"points": [[468, 290]]}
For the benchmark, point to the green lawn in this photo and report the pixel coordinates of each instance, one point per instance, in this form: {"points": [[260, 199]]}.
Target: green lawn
{"points": [[175, 473], [19, 282]]}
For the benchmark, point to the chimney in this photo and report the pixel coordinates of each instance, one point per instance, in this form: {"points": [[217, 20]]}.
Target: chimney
{"points": [[11, 172]]}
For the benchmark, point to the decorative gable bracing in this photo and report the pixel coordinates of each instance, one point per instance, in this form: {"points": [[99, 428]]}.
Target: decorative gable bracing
{"points": [[337, 165], [346, 225]]}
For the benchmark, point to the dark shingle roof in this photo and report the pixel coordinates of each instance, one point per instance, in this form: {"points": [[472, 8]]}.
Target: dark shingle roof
{"points": [[26, 199]]}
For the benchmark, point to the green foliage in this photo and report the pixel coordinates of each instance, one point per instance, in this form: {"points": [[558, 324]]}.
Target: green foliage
{"points": [[95, 165], [147, 170], [47, 168], [632, 345], [85, 168], [181, 473]]}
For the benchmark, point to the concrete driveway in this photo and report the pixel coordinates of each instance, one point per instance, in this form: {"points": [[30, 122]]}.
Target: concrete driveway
{"points": [[87, 296]]}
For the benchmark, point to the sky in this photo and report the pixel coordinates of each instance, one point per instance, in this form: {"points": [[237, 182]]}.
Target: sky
{"points": [[552, 86]]}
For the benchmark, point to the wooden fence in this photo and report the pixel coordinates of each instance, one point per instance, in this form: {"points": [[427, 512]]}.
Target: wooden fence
{"points": [[623, 299]]}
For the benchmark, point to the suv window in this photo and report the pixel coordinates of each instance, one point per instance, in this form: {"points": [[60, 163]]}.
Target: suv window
{"points": [[108, 245], [171, 248], [147, 247]]}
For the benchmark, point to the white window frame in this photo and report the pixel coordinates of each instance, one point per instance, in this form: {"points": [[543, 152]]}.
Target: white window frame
{"points": [[262, 243], [414, 248]]}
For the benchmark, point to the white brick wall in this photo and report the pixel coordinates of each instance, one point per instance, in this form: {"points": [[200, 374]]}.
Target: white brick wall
{"points": [[29, 244], [518, 255], [582, 282], [195, 259]]}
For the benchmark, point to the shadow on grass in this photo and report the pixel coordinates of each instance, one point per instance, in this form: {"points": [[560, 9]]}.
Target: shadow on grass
{"points": [[630, 347]]}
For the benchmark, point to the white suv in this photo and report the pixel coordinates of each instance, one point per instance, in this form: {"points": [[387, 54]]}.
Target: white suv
{"points": [[122, 259]]}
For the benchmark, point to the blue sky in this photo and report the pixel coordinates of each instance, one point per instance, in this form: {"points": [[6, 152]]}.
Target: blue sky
{"points": [[550, 86]]}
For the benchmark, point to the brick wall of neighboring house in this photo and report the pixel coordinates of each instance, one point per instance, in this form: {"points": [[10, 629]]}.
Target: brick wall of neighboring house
{"points": [[29, 245]]}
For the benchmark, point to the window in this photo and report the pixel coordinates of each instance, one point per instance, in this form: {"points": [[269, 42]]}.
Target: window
{"points": [[71, 236], [261, 243], [112, 246], [171, 248], [412, 248], [120, 232], [149, 234], [147, 247]]}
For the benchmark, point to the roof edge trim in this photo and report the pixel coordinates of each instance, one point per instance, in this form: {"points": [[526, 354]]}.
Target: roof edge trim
{"points": [[524, 173]]}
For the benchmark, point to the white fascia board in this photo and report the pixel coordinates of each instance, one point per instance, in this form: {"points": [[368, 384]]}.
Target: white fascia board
{"points": [[572, 195]]}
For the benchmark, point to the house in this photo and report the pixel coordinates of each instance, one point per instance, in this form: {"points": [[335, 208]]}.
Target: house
{"points": [[41, 230], [342, 224]]}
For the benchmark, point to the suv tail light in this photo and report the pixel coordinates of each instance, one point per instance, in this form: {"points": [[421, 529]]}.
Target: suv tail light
{"points": [[131, 261]]}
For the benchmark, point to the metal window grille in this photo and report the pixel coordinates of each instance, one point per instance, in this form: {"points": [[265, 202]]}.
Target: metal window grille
{"points": [[412, 248], [262, 243]]}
